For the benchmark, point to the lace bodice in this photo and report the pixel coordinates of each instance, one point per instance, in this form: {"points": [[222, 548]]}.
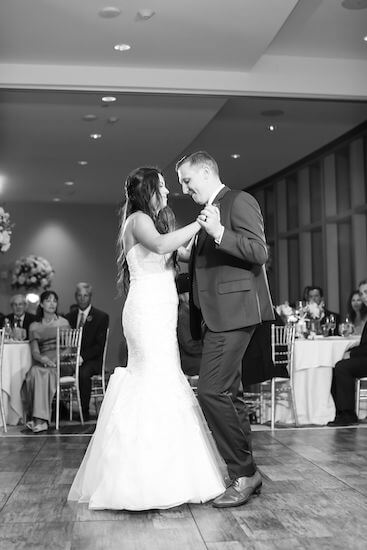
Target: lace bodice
{"points": [[143, 263]]}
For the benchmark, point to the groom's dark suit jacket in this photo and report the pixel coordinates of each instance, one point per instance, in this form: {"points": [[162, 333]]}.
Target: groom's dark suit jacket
{"points": [[231, 282]]}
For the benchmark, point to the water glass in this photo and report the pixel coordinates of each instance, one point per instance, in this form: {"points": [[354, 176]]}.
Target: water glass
{"points": [[332, 323]]}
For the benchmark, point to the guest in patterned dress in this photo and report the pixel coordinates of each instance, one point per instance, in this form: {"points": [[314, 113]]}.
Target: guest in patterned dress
{"points": [[39, 387]]}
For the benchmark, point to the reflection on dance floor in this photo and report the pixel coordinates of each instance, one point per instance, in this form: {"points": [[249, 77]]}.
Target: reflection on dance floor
{"points": [[314, 496]]}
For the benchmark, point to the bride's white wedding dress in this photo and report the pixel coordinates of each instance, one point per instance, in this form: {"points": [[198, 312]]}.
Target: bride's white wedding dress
{"points": [[151, 447]]}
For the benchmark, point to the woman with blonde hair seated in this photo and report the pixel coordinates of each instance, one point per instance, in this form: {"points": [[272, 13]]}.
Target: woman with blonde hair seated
{"points": [[39, 387]]}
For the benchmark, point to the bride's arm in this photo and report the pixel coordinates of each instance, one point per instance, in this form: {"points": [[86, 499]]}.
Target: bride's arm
{"points": [[146, 233]]}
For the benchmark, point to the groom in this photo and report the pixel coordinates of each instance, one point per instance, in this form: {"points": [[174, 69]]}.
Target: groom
{"points": [[229, 297]]}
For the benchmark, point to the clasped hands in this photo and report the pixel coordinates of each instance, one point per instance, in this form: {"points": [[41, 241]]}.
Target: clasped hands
{"points": [[209, 219]]}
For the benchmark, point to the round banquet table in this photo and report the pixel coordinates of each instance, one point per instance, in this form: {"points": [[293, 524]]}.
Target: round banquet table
{"points": [[314, 361]]}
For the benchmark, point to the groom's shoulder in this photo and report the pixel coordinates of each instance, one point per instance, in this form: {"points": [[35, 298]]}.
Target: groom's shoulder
{"points": [[240, 195]]}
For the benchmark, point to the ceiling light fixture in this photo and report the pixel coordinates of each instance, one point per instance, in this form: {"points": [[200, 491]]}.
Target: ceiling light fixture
{"points": [[365, 38], [144, 14], [56, 199], [69, 183], [109, 12], [272, 127], [122, 47], [112, 119], [89, 117], [95, 136], [235, 155], [82, 162], [108, 99]]}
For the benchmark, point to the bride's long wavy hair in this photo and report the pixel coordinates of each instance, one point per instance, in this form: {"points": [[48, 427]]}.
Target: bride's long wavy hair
{"points": [[141, 186]]}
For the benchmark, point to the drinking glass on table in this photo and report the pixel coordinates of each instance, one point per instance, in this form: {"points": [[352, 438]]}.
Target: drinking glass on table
{"points": [[332, 324]]}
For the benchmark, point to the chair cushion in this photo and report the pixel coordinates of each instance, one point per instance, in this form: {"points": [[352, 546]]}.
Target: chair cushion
{"points": [[67, 380]]}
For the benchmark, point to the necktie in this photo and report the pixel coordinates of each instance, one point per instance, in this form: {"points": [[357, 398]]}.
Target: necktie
{"points": [[18, 322], [81, 320]]}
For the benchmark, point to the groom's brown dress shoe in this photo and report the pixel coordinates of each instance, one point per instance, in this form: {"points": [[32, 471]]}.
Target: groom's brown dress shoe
{"points": [[239, 492]]}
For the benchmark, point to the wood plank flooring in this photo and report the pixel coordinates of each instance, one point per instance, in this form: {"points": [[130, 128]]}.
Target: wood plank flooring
{"points": [[314, 497]]}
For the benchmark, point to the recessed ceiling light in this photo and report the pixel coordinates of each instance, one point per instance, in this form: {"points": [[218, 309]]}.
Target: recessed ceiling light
{"points": [[89, 117], [272, 127], [69, 183], [112, 119], [365, 38], [82, 162], [272, 112], [144, 14], [108, 99], [56, 199], [354, 4], [122, 47], [109, 11], [95, 136], [235, 155]]}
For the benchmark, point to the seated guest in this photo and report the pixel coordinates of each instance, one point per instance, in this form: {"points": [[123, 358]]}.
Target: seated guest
{"points": [[316, 295], [257, 363], [2, 317], [345, 374], [190, 350], [357, 312], [20, 318], [95, 324], [39, 387]]}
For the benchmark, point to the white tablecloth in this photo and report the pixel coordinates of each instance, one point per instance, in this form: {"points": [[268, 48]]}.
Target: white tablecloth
{"points": [[314, 361], [17, 360]]}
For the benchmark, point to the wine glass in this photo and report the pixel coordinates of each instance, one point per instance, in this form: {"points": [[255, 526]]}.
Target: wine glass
{"points": [[332, 323]]}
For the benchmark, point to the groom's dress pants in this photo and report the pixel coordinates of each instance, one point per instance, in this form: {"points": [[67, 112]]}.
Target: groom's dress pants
{"points": [[221, 397]]}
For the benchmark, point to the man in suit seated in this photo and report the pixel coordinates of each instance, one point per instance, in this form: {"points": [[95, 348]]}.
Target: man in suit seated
{"points": [[95, 324], [190, 349], [315, 294], [20, 318], [345, 374]]}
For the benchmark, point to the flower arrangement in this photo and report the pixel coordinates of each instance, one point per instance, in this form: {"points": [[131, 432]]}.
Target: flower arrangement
{"points": [[5, 230], [32, 272], [287, 313], [313, 311]]}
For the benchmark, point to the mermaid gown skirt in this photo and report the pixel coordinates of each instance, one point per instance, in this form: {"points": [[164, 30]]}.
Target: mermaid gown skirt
{"points": [[151, 447]]}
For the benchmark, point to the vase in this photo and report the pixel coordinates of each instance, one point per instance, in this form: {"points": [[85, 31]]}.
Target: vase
{"points": [[315, 326]]}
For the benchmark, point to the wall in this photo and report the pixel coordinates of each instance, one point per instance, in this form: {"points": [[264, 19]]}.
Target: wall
{"points": [[79, 241], [315, 216]]}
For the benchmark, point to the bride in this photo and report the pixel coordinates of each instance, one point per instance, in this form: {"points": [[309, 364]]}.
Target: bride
{"points": [[151, 447]]}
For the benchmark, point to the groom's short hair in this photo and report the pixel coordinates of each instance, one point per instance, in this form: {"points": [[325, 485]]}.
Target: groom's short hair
{"points": [[200, 157]]}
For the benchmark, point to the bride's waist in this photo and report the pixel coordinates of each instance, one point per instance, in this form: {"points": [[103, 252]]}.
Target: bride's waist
{"points": [[154, 278]]}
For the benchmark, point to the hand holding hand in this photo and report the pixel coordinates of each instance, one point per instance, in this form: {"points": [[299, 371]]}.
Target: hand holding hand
{"points": [[48, 362], [209, 219]]}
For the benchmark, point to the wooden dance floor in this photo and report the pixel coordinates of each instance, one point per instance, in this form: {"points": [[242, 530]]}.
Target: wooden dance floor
{"points": [[314, 497]]}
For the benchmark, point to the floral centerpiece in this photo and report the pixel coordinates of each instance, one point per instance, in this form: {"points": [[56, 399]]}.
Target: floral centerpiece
{"points": [[312, 310], [287, 313], [32, 272], [5, 230]]}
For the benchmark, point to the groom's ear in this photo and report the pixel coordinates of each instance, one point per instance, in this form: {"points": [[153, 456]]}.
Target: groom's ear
{"points": [[205, 171]]}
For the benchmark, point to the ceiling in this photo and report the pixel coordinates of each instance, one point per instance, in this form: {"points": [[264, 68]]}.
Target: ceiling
{"points": [[199, 75]]}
